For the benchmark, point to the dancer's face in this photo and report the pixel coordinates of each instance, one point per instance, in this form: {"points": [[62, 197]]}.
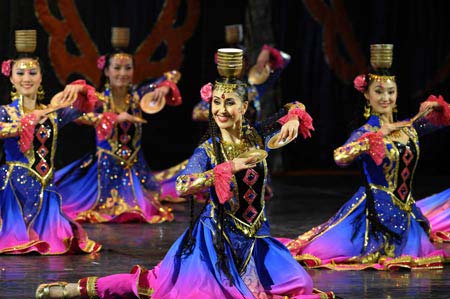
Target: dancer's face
{"points": [[228, 109], [26, 76], [382, 96], [120, 70]]}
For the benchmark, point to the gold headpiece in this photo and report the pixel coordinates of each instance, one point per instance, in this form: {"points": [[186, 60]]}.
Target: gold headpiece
{"points": [[381, 58], [225, 87], [27, 65]]}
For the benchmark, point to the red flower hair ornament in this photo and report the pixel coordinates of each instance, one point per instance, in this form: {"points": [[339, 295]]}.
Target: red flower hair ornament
{"points": [[360, 83], [6, 67], [206, 92], [101, 62]]}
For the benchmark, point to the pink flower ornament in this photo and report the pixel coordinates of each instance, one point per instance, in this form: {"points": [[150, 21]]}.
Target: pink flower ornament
{"points": [[6, 67], [360, 83], [101, 62], [206, 92]]}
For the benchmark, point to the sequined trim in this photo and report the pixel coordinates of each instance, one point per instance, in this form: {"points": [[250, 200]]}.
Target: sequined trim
{"points": [[319, 230], [194, 183], [43, 180], [383, 263], [403, 205], [346, 154], [249, 230], [88, 288], [128, 162]]}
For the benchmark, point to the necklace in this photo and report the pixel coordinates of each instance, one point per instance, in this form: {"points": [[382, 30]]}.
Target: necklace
{"points": [[232, 150], [123, 105]]}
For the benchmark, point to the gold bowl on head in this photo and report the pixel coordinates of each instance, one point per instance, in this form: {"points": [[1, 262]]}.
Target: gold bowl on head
{"points": [[381, 55], [25, 40], [229, 62], [229, 71], [233, 34], [226, 59], [120, 37], [230, 52]]}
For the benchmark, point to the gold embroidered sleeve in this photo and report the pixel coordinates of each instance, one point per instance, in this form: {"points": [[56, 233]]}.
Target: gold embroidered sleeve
{"points": [[347, 153], [294, 105], [8, 130], [194, 183], [200, 114], [90, 119]]}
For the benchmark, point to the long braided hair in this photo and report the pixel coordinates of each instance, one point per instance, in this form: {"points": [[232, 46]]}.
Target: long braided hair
{"points": [[215, 135]]}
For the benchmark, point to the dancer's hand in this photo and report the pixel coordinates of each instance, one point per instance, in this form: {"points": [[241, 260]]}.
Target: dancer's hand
{"points": [[159, 94], [262, 60], [387, 129], [70, 94], [289, 131], [243, 163], [428, 106]]}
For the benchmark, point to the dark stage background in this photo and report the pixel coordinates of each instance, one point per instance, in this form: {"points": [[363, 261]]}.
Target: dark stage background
{"points": [[328, 41]]}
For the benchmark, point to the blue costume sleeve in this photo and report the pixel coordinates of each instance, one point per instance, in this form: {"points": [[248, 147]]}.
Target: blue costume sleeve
{"points": [[198, 174]]}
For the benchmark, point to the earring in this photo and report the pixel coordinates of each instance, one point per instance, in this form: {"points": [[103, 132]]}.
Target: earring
{"points": [[13, 92], [367, 110], [40, 93], [107, 86], [394, 109]]}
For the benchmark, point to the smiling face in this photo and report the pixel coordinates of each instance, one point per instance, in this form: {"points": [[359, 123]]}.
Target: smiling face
{"points": [[26, 76], [228, 110], [382, 96], [120, 70]]}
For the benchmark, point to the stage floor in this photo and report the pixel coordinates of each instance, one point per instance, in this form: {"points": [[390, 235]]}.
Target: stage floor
{"points": [[301, 201]]}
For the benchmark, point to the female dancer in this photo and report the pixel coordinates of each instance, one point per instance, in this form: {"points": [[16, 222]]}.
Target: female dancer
{"points": [[228, 250], [30, 207], [380, 226], [117, 185]]}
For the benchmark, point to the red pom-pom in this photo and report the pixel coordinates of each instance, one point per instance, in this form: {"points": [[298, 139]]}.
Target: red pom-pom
{"points": [[306, 122], [28, 123], [440, 116], [222, 179], [376, 146]]}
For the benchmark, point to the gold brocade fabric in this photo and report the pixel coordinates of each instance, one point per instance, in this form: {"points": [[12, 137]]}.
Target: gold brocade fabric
{"points": [[346, 154], [233, 150], [194, 183]]}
